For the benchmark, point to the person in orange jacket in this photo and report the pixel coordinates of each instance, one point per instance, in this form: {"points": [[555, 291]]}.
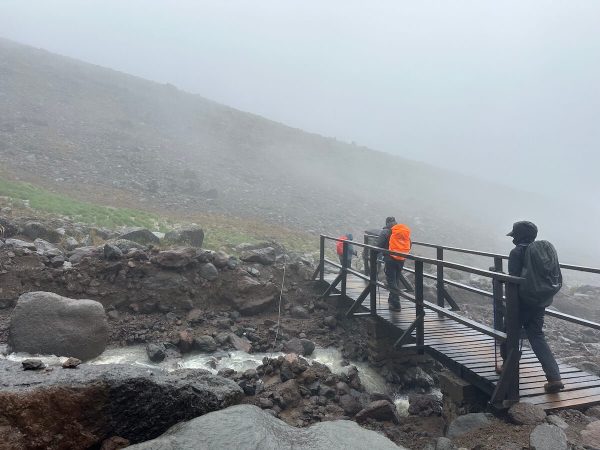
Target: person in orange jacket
{"points": [[394, 237], [340, 249]]}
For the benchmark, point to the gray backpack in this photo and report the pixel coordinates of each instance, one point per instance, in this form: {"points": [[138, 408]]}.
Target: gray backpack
{"points": [[541, 270]]}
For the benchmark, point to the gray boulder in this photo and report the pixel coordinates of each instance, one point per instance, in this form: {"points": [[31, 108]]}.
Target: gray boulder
{"points": [[174, 259], [526, 414], [378, 410], [591, 435], [125, 245], [265, 256], [209, 272], [48, 324], [70, 243], [547, 437], [81, 253], [35, 230], [467, 423], [112, 252], [156, 352], [205, 344], [18, 243], [141, 236], [45, 248], [246, 427], [193, 236], [221, 259], [424, 405], [416, 377]]}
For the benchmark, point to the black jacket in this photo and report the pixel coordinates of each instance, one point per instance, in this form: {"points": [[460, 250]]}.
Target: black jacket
{"points": [[383, 241]]}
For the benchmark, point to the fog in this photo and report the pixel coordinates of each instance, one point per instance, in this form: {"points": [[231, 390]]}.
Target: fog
{"points": [[504, 91]]}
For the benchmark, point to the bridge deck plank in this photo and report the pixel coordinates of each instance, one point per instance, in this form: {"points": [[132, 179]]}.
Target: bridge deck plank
{"points": [[473, 352]]}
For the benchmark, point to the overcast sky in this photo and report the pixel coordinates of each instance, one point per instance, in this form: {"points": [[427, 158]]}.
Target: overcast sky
{"points": [[503, 89]]}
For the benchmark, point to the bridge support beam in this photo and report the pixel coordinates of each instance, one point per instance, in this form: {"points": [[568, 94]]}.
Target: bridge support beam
{"points": [[460, 397]]}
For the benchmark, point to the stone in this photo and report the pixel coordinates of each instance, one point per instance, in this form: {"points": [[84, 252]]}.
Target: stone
{"points": [[205, 344], [526, 414], [424, 405], [416, 377], [289, 392], [240, 343], [443, 443], [71, 363], [594, 411], [70, 243], [249, 306], [299, 312], [558, 421], [193, 236], [185, 341], [209, 272], [34, 230], [349, 404], [547, 437], [33, 364], [258, 429], [115, 443], [378, 410], [465, 424], [127, 246], [141, 236], [590, 435], [174, 259], [156, 352], [18, 243], [84, 407], [45, 248], [49, 324], [302, 347], [112, 252], [221, 259], [265, 256], [308, 346], [83, 252], [113, 315], [330, 322]]}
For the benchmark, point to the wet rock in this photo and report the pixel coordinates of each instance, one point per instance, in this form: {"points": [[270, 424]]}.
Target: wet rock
{"points": [[330, 322], [299, 312], [465, 424], [547, 437], [416, 377], [265, 256], [350, 405], [193, 236], [156, 352], [34, 230], [174, 259], [308, 346], [378, 410], [424, 405], [240, 343], [45, 248], [82, 408], [185, 341], [205, 344], [48, 324], [33, 364], [112, 252], [256, 429], [141, 236], [526, 414], [209, 272], [71, 363]]}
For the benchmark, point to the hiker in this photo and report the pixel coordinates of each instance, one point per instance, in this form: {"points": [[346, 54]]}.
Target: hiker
{"points": [[537, 262], [371, 238], [394, 237], [340, 249]]}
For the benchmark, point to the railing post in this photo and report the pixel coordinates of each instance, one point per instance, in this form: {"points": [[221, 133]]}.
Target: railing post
{"points": [[513, 334], [420, 310], [440, 278], [322, 259], [373, 281], [344, 266], [498, 294]]}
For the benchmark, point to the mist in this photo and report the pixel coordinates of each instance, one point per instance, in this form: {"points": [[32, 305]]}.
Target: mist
{"points": [[504, 92]]}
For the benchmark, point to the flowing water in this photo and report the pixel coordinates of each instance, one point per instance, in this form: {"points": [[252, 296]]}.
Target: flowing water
{"points": [[238, 361]]}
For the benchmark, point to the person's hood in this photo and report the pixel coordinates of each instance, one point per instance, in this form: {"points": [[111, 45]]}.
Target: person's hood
{"points": [[523, 232]]}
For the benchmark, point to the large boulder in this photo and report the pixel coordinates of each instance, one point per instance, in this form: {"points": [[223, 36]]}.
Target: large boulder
{"points": [[468, 422], [378, 410], [548, 437], [248, 427], [35, 230], [590, 435], [48, 324], [83, 407], [45, 248], [175, 259], [253, 296], [141, 236], [265, 256], [7, 228], [193, 236], [526, 414]]}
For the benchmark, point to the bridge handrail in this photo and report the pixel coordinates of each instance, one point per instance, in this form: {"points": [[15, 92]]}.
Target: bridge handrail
{"points": [[436, 262]]}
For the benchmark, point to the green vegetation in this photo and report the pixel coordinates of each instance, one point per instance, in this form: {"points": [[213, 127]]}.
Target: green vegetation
{"points": [[104, 216], [220, 231]]}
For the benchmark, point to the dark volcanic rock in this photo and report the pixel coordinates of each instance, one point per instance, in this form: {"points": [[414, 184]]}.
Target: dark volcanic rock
{"points": [[141, 236], [156, 352], [257, 429], [81, 408], [35, 230], [209, 272], [173, 259], [32, 364], [378, 410], [187, 236], [424, 405], [71, 363], [112, 252], [205, 344], [48, 324], [265, 256]]}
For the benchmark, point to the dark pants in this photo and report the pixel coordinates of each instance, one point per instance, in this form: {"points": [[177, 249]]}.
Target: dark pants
{"points": [[348, 260], [532, 320], [393, 268]]}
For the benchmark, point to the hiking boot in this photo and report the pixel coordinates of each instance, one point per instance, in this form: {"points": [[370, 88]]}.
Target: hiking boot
{"points": [[552, 387], [394, 306]]}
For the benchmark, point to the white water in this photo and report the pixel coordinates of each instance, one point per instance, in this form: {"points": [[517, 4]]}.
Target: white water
{"points": [[238, 361]]}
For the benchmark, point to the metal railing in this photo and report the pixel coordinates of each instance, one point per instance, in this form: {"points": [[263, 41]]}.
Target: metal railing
{"points": [[505, 294]]}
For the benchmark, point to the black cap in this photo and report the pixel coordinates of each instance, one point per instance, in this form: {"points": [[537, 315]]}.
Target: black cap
{"points": [[390, 219], [523, 228]]}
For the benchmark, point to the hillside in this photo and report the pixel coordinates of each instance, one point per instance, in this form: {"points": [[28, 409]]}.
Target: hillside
{"points": [[111, 138]]}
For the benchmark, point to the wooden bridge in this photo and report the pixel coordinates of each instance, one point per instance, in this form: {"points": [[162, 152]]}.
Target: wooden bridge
{"points": [[466, 347]]}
